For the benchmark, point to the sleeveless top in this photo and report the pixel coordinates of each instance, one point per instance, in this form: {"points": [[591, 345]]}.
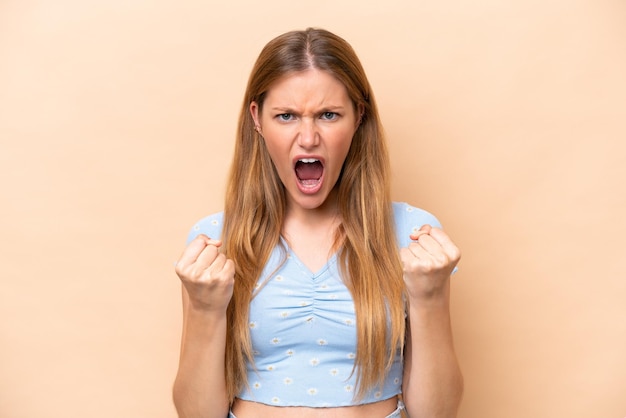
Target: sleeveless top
{"points": [[303, 327]]}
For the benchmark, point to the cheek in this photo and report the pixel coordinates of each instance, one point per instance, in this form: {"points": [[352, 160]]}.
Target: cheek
{"points": [[343, 143], [276, 140], [278, 154]]}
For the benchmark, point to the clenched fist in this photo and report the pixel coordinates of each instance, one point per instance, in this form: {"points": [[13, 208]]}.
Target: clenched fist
{"points": [[428, 262], [208, 276]]}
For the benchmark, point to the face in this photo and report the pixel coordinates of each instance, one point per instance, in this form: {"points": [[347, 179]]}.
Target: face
{"points": [[307, 123]]}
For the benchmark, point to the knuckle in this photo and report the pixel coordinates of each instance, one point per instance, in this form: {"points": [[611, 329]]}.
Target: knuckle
{"points": [[184, 272], [429, 266], [220, 257], [178, 268], [230, 265], [440, 260], [228, 275], [456, 254], [412, 265], [192, 273]]}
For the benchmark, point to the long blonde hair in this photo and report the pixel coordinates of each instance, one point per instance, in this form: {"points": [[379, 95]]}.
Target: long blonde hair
{"points": [[255, 208]]}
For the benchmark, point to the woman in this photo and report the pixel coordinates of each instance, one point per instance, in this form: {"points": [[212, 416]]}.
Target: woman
{"points": [[312, 294]]}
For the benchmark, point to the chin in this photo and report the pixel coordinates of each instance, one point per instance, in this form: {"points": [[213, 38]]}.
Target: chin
{"points": [[310, 202]]}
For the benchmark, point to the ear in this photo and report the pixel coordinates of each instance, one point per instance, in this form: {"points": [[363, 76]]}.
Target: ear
{"points": [[360, 110], [254, 111]]}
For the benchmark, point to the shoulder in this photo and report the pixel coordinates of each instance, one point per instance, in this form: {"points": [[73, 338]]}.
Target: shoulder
{"points": [[409, 219], [210, 226]]}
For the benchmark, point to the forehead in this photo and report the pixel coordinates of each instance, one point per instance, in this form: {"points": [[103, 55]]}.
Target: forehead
{"points": [[310, 86]]}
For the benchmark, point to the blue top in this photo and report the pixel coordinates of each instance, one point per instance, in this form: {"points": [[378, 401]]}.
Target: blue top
{"points": [[303, 327]]}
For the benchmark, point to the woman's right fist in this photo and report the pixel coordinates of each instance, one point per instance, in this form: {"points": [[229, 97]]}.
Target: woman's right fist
{"points": [[208, 276]]}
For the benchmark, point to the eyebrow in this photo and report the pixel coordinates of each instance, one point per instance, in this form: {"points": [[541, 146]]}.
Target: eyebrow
{"points": [[286, 109]]}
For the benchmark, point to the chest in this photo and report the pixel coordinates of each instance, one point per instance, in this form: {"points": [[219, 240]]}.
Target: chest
{"points": [[304, 339], [296, 311], [312, 245]]}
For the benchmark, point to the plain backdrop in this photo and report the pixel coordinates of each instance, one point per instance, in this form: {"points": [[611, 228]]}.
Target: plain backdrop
{"points": [[507, 120]]}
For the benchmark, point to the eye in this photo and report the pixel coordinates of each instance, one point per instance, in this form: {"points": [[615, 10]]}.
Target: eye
{"points": [[330, 115], [285, 117]]}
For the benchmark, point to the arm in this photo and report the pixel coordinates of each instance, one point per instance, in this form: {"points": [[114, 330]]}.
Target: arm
{"points": [[433, 384], [207, 278]]}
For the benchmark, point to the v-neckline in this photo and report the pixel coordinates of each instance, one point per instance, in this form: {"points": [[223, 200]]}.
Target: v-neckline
{"points": [[314, 275]]}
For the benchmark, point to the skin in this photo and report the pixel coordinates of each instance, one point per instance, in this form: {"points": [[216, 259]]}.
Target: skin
{"points": [[433, 383], [309, 114], [207, 285]]}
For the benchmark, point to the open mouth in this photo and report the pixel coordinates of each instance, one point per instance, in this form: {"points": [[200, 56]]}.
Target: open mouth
{"points": [[309, 171]]}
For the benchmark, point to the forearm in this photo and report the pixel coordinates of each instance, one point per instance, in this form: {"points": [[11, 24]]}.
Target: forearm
{"points": [[434, 385], [200, 387]]}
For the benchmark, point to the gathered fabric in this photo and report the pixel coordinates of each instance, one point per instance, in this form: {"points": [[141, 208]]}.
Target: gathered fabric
{"points": [[303, 327]]}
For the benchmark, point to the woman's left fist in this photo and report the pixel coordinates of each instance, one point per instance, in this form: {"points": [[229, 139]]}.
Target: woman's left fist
{"points": [[428, 262]]}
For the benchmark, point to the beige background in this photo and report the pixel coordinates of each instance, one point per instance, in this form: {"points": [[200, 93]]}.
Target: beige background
{"points": [[505, 119]]}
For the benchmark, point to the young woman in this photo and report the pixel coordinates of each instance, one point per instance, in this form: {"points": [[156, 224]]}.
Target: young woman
{"points": [[313, 294]]}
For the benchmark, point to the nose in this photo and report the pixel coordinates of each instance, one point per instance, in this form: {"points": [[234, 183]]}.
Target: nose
{"points": [[308, 137]]}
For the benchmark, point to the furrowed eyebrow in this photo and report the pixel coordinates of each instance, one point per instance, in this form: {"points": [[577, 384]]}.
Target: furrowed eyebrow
{"points": [[332, 109], [321, 110]]}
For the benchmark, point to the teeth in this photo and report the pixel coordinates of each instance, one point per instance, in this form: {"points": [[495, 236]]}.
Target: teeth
{"points": [[308, 160]]}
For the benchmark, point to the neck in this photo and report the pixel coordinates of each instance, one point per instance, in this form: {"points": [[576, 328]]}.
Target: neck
{"points": [[311, 234], [316, 227], [323, 216]]}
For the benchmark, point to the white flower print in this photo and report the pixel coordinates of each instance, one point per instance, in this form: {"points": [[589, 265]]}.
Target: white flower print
{"points": [[284, 314], [288, 380], [351, 356], [290, 352], [378, 394], [256, 385], [348, 388], [275, 341], [349, 322], [275, 399], [314, 361], [271, 368], [252, 325], [322, 341], [279, 278], [215, 222], [334, 372], [312, 391]]}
